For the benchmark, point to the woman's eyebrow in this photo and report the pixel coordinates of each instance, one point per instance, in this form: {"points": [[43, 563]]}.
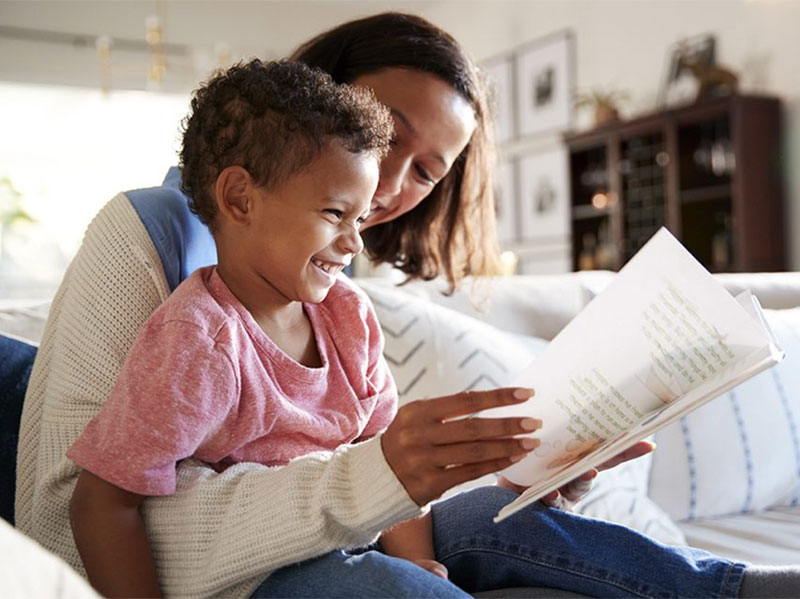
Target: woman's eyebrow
{"points": [[407, 124]]}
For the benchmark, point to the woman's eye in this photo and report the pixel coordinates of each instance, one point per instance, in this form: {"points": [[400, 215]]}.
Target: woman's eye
{"points": [[424, 175]]}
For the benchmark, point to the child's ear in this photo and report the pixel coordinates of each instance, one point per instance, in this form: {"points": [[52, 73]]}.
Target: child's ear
{"points": [[235, 194]]}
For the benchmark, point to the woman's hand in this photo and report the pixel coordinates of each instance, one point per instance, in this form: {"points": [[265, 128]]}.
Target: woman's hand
{"points": [[432, 448], [566, 496]]}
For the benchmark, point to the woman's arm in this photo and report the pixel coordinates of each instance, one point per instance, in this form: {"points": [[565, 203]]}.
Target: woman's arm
{"points": [[222, 533], [111, 538]]}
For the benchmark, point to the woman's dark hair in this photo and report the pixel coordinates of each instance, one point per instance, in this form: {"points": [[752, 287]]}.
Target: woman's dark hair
{"points": [[452, 232], [273, 119]]}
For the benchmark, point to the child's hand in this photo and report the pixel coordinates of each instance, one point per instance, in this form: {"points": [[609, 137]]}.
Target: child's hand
{"points": [[432, 566]]}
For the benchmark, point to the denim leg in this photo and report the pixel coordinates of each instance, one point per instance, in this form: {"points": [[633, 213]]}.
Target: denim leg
{"points": [[547, 547], [345, 575]]}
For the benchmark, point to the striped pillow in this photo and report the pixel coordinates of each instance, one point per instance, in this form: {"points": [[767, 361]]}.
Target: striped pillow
{"points": [[740, 453]]}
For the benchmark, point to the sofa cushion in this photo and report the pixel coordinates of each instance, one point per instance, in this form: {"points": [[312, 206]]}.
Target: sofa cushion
{"points": [[740, 453], [434, 351]]}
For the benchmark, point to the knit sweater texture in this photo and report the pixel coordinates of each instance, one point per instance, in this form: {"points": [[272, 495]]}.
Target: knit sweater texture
{"points": [[219, 534]]}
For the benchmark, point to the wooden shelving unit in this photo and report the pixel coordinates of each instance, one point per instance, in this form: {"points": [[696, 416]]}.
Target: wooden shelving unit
{"points": [[710, 172]]}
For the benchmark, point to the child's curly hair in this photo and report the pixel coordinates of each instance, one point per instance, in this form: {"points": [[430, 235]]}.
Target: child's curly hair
{"points": [[272, 119]]}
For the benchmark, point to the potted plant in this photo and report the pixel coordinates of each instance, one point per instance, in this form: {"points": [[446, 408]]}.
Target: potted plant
{"points": [[604, 102]]}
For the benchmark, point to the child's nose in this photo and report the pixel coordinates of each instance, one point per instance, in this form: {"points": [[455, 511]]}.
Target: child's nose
{"points": [[351, 241]]}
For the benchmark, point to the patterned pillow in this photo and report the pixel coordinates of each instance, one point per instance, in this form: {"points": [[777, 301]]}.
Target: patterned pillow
{"points": [[740, 453], [434, 351]]}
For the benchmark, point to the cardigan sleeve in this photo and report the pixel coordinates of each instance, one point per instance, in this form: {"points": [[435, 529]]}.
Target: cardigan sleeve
{"points": [[220, 533]]}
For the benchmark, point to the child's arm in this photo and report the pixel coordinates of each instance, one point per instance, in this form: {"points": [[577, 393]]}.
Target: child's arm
{"points": [[111, 538], [413, 540]]}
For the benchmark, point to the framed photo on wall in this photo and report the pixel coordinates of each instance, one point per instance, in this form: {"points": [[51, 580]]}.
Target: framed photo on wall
{"points": [[545, 80], [500, 77], [544, 195], [505, 203]]}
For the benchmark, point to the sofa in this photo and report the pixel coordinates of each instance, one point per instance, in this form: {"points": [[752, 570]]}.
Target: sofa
{"points": [[725, 478]]}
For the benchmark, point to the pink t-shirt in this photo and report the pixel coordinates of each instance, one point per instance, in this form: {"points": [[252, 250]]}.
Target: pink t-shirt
{"points": [[203, 380]]}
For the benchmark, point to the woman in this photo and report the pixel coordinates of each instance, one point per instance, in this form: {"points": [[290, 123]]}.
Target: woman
{"points": [[228, 533]]}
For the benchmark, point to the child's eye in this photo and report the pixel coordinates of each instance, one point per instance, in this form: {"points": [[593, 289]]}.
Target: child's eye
{"points": [[338, 214]]}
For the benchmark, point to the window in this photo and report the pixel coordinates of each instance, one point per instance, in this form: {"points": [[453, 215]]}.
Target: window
{"points": [[64, 153]]}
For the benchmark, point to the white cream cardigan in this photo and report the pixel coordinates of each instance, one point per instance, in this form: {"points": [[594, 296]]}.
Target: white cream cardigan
{"points": [[219, 534]]}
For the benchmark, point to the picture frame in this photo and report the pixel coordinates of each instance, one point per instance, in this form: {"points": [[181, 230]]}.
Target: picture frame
{"points": [[679, 85], [545, 83], [499, 74], [544, 195], [505, 194]]}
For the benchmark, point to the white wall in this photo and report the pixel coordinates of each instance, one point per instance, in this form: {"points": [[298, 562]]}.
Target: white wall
{"points": [[621, 43], [624, 44]]}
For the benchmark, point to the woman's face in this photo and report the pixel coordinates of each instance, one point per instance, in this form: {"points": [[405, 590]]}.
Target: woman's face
{"points": [[433, 123]]}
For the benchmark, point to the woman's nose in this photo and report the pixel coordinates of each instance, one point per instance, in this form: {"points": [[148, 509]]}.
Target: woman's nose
{"points": [[393, 170]]}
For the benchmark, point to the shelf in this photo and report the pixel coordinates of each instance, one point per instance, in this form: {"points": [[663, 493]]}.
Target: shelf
{"points": [[588, 211], [708, 193], [729, 221]]}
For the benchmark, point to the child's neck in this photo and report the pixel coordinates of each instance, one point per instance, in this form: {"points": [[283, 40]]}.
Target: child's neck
{"points": [[284, 321]]}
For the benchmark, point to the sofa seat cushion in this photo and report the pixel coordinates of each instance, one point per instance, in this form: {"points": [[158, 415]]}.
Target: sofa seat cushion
{"points": [[770, 537]]}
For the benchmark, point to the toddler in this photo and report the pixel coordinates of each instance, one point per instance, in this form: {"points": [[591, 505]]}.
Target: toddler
{"points": [[268, 355]]}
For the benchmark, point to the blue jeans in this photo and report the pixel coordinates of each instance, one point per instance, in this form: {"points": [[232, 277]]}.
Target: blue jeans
{"points": [[536, 547]]}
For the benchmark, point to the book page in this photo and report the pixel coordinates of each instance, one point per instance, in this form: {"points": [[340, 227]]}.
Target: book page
{"points": [[663, 329]]}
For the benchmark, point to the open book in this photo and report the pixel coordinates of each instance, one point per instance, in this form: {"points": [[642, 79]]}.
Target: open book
{"points": [[661, 340]]}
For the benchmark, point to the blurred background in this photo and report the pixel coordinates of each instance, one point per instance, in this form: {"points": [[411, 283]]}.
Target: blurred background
{"points": [[614, 118]]}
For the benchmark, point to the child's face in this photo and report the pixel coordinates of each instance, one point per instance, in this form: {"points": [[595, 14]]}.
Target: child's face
{"points": [[306, 231]]}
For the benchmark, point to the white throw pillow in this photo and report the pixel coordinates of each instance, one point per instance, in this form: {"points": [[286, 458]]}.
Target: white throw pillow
{"points": [[740, 453]]}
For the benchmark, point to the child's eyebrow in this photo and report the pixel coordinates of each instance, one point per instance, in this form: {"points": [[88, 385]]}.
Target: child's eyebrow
{"points": [[346, 203]]}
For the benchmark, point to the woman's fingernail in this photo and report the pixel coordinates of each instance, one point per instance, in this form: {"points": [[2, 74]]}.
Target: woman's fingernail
{"points": [[523, 393], [530, 424], [529, 443], [517, 458]]}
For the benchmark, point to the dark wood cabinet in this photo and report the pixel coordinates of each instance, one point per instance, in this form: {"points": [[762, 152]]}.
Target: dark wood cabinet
{"points": [[710, 172]]}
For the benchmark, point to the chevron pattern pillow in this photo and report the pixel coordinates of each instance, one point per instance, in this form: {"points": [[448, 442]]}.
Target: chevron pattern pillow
{"points": [[434, 351]]}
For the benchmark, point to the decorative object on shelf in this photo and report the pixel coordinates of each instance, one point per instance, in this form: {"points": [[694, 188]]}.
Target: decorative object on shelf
{"points": [[499, 74], [692, 73], [544, 196], [545, 83], [603, 102]]}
